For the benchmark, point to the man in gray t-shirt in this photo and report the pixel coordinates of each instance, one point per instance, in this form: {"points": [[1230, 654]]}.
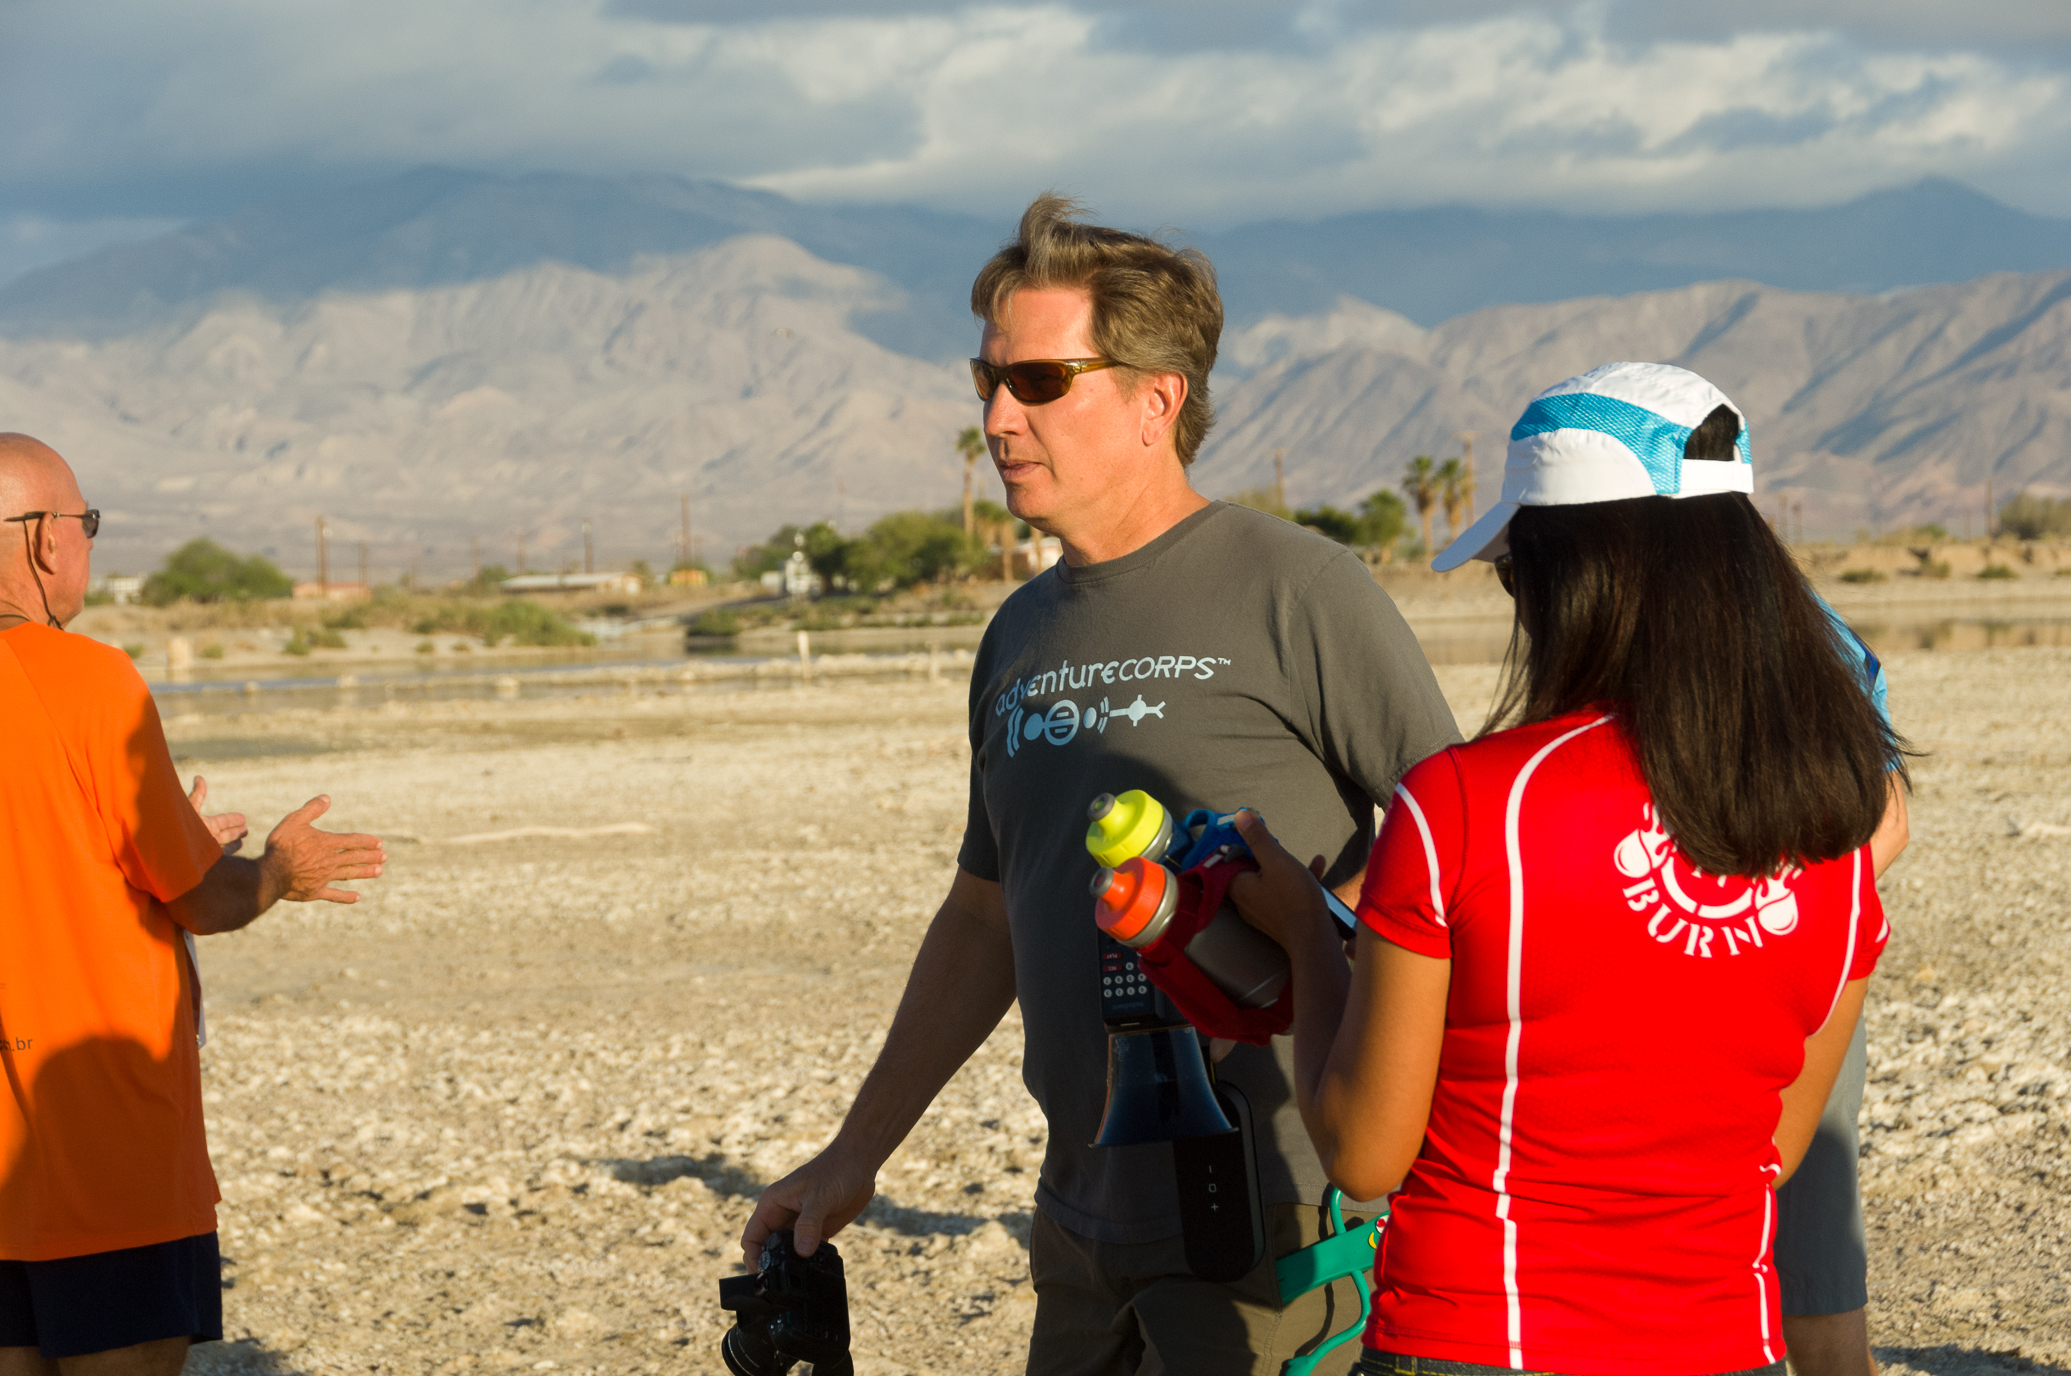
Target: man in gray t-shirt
{"points": [[1235, 660], [1208, 654]]}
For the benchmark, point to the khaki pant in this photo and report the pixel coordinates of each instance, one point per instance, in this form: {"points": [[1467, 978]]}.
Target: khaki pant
{"points": [[1132, 1309]]}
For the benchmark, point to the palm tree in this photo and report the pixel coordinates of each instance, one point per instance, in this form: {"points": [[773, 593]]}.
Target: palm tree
{"points": [[1467, 473], [970, 444], [1452, 493], [996, 525], [1421, 486]]}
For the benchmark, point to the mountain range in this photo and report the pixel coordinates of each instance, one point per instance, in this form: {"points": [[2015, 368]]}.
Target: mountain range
{"points": [[448, 356]]}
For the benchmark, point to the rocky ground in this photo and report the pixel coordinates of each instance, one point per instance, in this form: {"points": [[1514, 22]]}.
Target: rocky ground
{"points": [[510, 1111]]}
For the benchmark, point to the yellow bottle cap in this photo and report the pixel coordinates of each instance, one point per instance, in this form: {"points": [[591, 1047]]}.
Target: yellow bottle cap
{"points": [[1123, 827]]}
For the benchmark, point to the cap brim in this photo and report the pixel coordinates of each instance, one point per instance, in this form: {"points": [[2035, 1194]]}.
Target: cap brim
{"points": [[1488, 537]]}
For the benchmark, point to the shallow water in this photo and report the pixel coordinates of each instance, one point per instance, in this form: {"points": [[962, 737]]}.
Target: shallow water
{"points": [[587, 673], [1484, 641]]}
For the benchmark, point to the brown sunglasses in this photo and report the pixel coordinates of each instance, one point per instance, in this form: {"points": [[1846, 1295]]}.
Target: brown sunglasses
{"points": [[1033, 381], [89, 519]]}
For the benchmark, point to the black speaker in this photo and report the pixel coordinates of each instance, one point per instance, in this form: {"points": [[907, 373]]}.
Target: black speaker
{"points": [[1221, 1221], [1158, 1089]]}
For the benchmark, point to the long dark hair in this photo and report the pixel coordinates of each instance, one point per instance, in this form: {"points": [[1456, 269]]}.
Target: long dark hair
{"points": [[1688, 617]]}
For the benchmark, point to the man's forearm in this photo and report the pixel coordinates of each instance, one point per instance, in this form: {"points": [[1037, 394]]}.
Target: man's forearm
{"points": [[961, 986], [229, 896]]}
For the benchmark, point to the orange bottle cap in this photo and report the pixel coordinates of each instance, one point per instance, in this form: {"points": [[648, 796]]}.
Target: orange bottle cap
{"points": [[1130, 896]]}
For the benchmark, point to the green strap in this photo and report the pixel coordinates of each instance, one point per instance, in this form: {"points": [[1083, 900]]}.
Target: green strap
{"points": [[1313, 1267]]}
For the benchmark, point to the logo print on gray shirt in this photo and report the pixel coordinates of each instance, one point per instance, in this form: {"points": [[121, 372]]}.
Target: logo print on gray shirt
{"points": [[1061, 723]]}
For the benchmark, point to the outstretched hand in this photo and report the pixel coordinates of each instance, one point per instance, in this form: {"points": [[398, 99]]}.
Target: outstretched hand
{"points": [[815, 1201], [303, 864], [228, 828], [1283, 900]]}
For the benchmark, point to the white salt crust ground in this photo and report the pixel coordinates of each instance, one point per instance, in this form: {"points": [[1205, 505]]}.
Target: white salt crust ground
{"points": [[510, 1111]]}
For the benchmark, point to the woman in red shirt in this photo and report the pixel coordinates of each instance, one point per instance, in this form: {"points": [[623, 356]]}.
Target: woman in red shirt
{"points": [[1612, 956]]}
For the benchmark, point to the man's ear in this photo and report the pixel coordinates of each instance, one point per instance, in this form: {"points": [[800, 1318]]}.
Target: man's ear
{"points": [[1163, 394], [43, 539]]}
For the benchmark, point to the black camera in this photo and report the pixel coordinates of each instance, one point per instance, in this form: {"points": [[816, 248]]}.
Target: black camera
{"points": [[795, 1309]]}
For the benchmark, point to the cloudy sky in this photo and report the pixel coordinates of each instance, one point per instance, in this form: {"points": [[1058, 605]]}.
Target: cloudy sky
{"points": [[124, 117]]}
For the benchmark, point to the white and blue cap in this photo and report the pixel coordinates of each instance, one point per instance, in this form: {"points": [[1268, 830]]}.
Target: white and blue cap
{"points": [[1617, 431]]}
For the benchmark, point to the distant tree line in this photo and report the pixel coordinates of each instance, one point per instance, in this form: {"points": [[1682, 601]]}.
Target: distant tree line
{"points": [[2035, 518], [897, 551], [1378, 522]]}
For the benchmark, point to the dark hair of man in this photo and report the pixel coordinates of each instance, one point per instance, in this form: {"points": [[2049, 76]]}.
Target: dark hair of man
{"points": [[1689, 619], [1155, 308]]}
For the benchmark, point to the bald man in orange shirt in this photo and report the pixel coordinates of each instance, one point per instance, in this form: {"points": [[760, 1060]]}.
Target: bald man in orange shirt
{"points": [[108, 1261]]}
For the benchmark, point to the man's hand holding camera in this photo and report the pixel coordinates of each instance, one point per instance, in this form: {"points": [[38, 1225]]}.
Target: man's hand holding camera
{"points": [[815, 1201]]}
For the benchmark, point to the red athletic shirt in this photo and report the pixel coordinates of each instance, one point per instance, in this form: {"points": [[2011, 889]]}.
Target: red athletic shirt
{"points": [[1594, 1191]]}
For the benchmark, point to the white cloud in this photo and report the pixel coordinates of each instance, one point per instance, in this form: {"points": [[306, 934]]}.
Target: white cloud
{"points": [[977, 107]]}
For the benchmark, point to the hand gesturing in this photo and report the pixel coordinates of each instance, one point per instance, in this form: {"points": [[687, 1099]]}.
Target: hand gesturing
{"points": [[228, 828]]}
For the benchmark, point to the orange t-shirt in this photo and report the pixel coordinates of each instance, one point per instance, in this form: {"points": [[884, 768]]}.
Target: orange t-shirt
{"points": [[101, 1141]]}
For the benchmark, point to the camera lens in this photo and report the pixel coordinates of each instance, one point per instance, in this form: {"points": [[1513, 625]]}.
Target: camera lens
{"points": [[749, 1353]]}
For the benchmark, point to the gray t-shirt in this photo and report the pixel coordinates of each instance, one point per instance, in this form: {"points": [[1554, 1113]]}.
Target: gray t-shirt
{"points": [[1236, 660]]}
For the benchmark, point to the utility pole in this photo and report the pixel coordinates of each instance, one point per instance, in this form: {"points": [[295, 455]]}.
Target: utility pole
{"points": [[1798, 510], [323, 559], [521, 552], [474, 552], [683, 540], [589, 563], [1279, 480], [1991, 531], [363, 568]]}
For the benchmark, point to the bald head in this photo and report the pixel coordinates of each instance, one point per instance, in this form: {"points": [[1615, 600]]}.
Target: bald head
{"points": [[34, 478], [44, 564]]}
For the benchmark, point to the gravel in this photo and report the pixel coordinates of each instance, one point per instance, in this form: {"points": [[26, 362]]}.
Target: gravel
{"points": [[510, 1112]]}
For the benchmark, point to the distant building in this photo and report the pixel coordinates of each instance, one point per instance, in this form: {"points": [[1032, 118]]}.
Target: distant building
{"points": [[795, 579], [120, 588], [687, 578], [572, 582], [333, 592], [1036, 554]]}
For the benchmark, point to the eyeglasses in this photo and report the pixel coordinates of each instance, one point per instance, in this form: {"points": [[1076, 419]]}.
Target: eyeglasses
{"points": [[89, 519], [1033, 381], [1504, 575]]}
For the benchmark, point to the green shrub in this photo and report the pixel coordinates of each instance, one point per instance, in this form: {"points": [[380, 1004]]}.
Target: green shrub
{"points": [[490, 579], [135, 649], [203, 571], [1997, 571], [528, 623], [909, 547], [296, 644], [351, 619], [212, 652], [425, 647], [717, 621], [1934, 568], [1380, 521], [326, 639], [1862, 575]]}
